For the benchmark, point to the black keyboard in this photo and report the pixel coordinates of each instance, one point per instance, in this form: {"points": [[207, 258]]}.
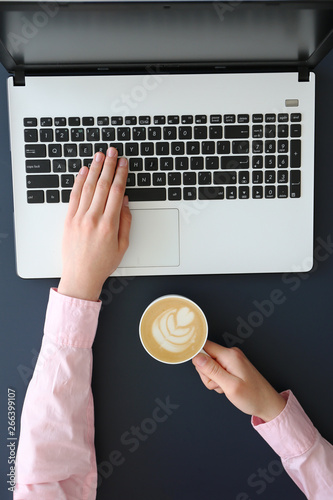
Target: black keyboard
{"points": [[173, 157]]}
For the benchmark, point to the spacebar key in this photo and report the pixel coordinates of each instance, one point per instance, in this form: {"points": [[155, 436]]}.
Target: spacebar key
{"points": [[146, 194]]}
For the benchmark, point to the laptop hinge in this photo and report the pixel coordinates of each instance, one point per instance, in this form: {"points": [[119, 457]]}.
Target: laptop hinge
{"points": [[19, 78], [303, 74]]}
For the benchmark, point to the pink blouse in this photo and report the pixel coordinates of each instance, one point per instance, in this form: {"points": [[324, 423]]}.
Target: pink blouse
{"points": [[56, 455]]}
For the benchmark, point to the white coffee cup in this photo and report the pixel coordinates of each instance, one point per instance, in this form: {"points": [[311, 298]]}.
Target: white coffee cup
{"points": [[173, 329]]}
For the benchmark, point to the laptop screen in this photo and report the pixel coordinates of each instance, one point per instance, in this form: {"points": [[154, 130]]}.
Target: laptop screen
{"points": [[49, 35]]}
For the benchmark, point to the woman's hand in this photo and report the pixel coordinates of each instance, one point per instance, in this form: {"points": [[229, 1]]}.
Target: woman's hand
{"points": [[229, 371], [97, 225]]}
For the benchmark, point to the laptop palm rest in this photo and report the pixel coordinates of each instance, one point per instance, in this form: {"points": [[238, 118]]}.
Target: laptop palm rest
{"points": [[156, 236]]}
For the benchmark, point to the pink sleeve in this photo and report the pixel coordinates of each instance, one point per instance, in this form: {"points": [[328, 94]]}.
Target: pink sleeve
{"points": [[305, 454], [56, 454]]}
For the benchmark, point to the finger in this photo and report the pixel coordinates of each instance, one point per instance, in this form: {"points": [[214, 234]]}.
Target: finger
{"points": [[212, 369], [232, 359], [116, 195], [75, 196], [104, 182], [209, 383], [91, 181], [124, 226]]}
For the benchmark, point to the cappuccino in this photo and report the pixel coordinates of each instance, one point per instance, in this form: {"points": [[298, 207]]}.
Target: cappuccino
{"points": [[173, 329]]}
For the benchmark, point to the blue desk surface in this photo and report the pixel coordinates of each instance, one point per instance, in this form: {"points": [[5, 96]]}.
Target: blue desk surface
{"points": [[205, 448]]}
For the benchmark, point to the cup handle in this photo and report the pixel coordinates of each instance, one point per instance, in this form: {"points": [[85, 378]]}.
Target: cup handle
{"points": [[204, 352]]}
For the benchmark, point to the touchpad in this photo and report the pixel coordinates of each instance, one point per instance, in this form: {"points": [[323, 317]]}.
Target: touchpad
{"points": [[154, 239]]}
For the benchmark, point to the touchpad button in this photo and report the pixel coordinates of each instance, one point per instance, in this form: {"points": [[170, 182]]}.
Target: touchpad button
{"points": [[154, 239]]}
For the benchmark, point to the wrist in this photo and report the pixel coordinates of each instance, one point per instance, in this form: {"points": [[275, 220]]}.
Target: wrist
{"points": [[274, 407], [79, 291]]}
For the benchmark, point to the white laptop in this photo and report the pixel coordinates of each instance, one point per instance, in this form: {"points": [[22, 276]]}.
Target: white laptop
{"points": [[213, 104]]}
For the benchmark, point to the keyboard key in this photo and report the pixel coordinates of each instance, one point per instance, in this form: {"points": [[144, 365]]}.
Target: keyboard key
{"points": [[257, 131], [200, 132], [282, 147], [37, 166], [177, 148], [116, 120], [283, 161], [77, 134], [59, 165], [189, 178], [189, 193], [295, 153], [88, 121], [162, 148], [42, 181], [108, 134], [243, 118], [295, 117], [46, 122], [103, 120], [166, 163], [204, 178], [282, 176], [52, 196], [270, 131], [87, 162], [295, 130], [196, 163], [46, 135], [211, 193], [144, 120], [159, 120], [240, 147], [212, 162], [182, 163], [62, 135], [200, 118], [67, 180], [148, 194], [236, 132], [60, 122], [74, 165], [270, 191], [93, 134], [70, 150], [74, 121], [130, 180], [159, 179], [119, 147], [154, 133], [215, 118], [30, 122], [65, 195], [135, 164], [144, 179], [235, 162], [229, 118], [192, 148], [100, 147], [174, 178], [35, 196], [257, 192], [173, 119], [270, 177], [185, 133], [85, 150], [243, 193], [231, 192], [270, 161], [187, 119], [223, 147], [151, 164], [270, 147], [208, 148], [132, 149], [257, 177], [174, 194], [224, 178], [257, 147], [282, 191], [130, 120], [244, 177], [169, 133], [139, 134], [283, 117], [257, 118], [31, 135], [257, 162], [147, 148], [35, 151], [215, 132], [283, 130], [270, 117]]}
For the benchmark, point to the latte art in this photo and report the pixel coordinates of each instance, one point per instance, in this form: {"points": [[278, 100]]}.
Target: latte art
{"points": [[174, 330]]}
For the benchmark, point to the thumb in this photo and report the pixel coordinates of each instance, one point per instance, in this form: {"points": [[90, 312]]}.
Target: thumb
{"points": [[211, 369], [124, 225]]}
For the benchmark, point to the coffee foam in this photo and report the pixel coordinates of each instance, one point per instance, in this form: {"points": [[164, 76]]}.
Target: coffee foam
{"points": [[173, 329]]}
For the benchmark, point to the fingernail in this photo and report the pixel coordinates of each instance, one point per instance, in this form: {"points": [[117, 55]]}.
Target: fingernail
{"points": [[200, 359], [122, 162], [112, 152], [126, 201], [98, 157], [82, 171]]}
